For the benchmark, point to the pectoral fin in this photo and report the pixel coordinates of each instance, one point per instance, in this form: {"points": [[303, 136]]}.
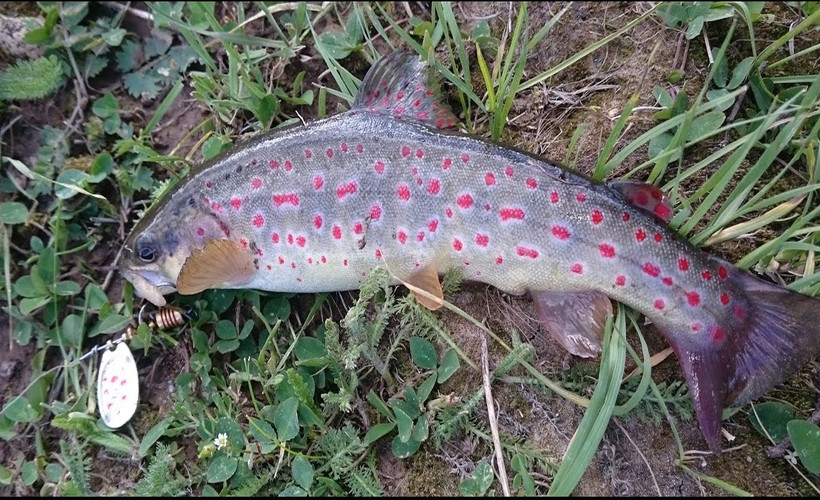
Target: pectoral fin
{"points": [[574, 320], [426, 279], [219, 264]]}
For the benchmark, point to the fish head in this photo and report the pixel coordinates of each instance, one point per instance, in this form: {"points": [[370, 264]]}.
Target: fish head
{"points": [[161, 243]]}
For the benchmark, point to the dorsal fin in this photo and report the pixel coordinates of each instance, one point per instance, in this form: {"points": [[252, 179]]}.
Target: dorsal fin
{"points": [[405, 88], [645, 196]]}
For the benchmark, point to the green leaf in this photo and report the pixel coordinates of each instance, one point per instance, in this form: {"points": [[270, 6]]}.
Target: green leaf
{"points": [[234, 432], [694, 28], [226, 330], [426, 388], [12, 212], [214, 145], [302, 472], [19, 410], [153, 435], [28, 473], [379, 405], [721, 73], [309, 348], [127, 56], [377, 431], [335, 44], [141, 85], [705, 124], [740, 73], [480, 480], [6, 475], [105, 106], [110, 324], [449, 365], [422, 428], [404, 450], [293, 491], [774, 417], [29, 305], [285, 419], [277, 307], [805, 438], [226, 346], [264, 434], [405, 425], [221, 469], [712, 95], [423, 353], [114, 37], [66, 288]]}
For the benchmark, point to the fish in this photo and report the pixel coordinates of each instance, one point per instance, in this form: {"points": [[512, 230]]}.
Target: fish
{"points": [[390, 182]]}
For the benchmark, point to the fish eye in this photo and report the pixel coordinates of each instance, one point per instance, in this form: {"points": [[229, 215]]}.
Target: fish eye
{"points": [[146, 249]]}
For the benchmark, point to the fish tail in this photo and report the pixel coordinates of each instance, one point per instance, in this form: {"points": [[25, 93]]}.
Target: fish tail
{"points": [[767, 335]]}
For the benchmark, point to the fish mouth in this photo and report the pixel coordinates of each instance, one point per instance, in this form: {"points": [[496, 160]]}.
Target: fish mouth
{"points": [[150, 286]]}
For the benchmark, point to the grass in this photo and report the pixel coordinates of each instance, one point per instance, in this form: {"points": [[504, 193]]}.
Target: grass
{"points": [[282, 394]]}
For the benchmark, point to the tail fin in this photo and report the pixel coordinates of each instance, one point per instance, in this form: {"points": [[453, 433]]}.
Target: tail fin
{"points": [[777, 335]]}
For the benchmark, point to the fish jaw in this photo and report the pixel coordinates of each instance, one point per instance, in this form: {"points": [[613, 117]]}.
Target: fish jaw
{"points": [[149, 285]]}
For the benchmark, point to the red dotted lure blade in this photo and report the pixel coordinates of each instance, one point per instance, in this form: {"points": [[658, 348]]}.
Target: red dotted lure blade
{"points": [[117, 386]]}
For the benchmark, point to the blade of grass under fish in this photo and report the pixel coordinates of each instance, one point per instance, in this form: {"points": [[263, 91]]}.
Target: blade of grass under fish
{"points": [[601, 172], [347, 83], [579, 131], [645, 364], [589, 50], [510, 82], [162, 109], [585, 442], [770, 248], [808, 22], [730, 488]]}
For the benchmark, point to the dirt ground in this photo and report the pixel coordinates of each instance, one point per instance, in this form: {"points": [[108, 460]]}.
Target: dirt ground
{"points": [[636, 457]]}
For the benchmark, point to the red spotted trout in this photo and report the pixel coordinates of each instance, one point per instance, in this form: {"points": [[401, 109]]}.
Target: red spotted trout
{"points": [[316, 207]]}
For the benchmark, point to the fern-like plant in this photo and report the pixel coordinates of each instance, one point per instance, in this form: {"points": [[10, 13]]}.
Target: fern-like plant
{"points": [[31, 79]]}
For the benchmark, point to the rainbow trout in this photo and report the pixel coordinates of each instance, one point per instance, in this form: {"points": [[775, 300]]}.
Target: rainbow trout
{"points": [[316, 207]]}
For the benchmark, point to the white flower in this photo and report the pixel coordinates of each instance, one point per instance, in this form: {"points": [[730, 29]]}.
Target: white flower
{"points": [[221, 441]]}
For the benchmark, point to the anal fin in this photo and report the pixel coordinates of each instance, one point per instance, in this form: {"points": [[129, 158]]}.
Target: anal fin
{"points": [[576, 320], [219, 264], [426, 279]]}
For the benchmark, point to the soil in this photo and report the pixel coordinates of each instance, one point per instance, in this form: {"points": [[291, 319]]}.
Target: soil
{"points": [[636, 457]]}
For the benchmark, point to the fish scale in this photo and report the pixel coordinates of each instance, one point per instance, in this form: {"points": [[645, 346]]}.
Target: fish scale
{"points": [[317, 207]]}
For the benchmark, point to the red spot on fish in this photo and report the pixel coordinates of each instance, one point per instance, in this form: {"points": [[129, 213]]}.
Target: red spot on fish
{"points": [[724, 298], [693, 298], [499, 260], [722, 273], [236, 203], [293, 265], [560, 232], [275, 238], [200, 231], [457, 246], [597, 217], [620, 280], [269, 267], [667, 281], [683, 264], [449, 212], [317, 222], [581, 197], [432, 225], [258, 220], [209, 185], [344, 262], [310, 260], [419, 182], [337, 232], [511, 213], [420, 236], [738, 311], [114, 379], [323, 259], [662, 211], [404, 192], [577, 268], [706, 275], [658, 237], [357, 228], [288, 166], [416, 103], [482, 240], [415, 171], [640, 235], [465, 201], [527, 252], [419, 154], [286, 199], [399, 95], [281, 260], [625, 217], [486, 207], [344, 147], [345, 189], [379, 167], [696, 326], [308, 154], [273, 164], [318, 182], [508, 171], [256, 183], [359, 148], [531, 183], [243, 242], [446, 163], [378, 254], [659, 304], [554, 196], [434, 186], [301, 241], [651, 269], [290, 239], [402, 237], [375, 212], [405, 151], [329, 152], [489, 179], [465, 157], [607, 251], [717, 333]]}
